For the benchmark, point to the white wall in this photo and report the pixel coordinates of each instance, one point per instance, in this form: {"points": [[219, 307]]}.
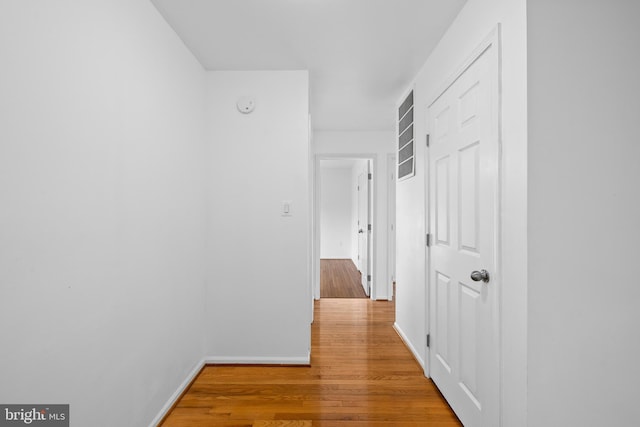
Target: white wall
{"points": [[336, 212], [584, 206], [377, 144], [102, 225], [259, 290], [470, 28]]}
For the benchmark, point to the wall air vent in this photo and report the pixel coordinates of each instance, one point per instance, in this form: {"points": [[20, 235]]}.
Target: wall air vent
{"points": [[406, 147]]}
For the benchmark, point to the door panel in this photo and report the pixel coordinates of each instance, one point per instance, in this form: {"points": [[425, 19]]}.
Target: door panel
{"points": [[468, 339], [442, 200], [468, 206], [443, 321], [463, 173]]}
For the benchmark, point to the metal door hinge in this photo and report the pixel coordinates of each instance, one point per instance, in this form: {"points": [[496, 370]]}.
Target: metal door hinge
{"points": [[369, 227], [370, 176], [428, 340], [428, 241], [428, 140], [368, 277]]}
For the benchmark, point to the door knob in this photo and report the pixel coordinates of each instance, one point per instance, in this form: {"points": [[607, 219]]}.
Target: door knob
{"points": [[483, 275], [360, 231]]}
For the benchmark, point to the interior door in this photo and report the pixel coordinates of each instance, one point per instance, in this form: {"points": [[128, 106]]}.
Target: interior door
{"points": [[363, 226], [463, 200]]}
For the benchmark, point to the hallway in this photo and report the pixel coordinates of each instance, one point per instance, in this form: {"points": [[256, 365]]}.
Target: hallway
{"points": [[340, 278], [361, 375]]}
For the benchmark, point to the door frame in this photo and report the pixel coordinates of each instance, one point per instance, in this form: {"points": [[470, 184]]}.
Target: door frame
{"points": [[315, 240], [391, 222], [364, 204], [493, 39]]}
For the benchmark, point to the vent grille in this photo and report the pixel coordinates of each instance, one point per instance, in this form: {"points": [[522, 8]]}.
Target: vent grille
{"points": [[406, 137], [406, 147]]}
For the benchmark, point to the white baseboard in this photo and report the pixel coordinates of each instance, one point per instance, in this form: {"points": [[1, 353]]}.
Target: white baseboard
{"points": [[409, 345], [176, 395], [219, 360]]}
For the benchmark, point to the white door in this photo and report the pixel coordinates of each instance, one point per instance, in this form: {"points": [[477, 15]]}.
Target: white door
{"points": [[363, 226], [463, 199]]}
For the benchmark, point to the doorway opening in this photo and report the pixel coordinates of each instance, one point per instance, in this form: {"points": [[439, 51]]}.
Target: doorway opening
{"points": [[343, 227]]}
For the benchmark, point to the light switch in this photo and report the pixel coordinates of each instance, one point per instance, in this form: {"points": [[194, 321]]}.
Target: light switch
{"points": [[286, 208]]}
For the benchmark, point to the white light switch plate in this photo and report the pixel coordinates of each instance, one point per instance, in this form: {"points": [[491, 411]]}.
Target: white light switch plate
{"points": [[285, 209]]}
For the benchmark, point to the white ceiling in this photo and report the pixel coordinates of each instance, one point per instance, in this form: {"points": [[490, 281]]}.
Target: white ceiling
{"points": [[361, 54]]}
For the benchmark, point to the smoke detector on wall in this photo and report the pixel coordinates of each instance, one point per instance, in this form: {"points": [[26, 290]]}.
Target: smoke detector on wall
{"points": [[246, 104]]}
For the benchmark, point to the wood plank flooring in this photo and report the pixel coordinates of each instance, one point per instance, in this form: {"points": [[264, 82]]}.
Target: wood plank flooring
{"points": [[361, 374], [339, 278]]}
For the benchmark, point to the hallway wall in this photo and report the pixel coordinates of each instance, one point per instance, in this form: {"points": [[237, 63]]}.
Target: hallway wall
{"points": [[102, 224], [336, 212], [259, 291], [584, 206]]}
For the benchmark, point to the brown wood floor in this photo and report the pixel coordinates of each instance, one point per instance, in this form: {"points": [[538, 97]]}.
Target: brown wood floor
{"points": [[361, 374], [339, 278]]}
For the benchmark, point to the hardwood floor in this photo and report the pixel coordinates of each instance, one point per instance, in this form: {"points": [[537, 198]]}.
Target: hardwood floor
{"points": [[339, 278], [361, 374]]}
